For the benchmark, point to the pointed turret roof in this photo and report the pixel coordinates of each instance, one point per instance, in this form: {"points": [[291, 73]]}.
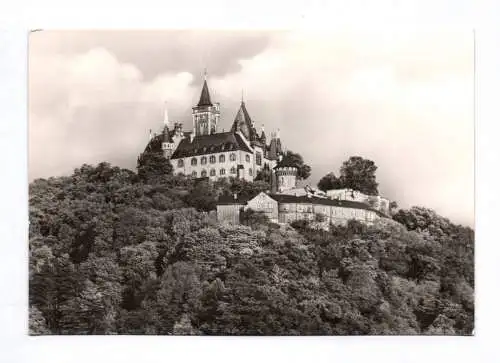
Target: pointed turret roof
{"points": [[243, 123], [205, 95]]}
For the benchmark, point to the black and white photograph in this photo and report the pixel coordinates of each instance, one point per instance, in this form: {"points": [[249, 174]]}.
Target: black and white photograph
{"points": [[217, 182]]}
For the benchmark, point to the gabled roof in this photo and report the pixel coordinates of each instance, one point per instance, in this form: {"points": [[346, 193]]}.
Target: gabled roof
{"points": [[205, 96], [228, 199], [210, 144], [244, 124]]}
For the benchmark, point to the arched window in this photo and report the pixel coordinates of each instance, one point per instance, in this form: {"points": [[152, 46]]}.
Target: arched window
{"points": [[212, 159], [222, 158], [203, 173], [247, 158], [233, 170], [194, 174], [212, 172], [180, 163], [232, 157], [203, 160], [194, 161], [250, 172], [222, 171]]}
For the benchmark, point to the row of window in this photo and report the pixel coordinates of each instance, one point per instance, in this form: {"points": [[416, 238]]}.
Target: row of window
{"points": [[222, 171], [212, 159]]}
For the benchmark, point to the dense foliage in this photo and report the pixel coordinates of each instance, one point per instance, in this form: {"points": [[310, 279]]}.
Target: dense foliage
{"points": [[111, 253], [295, 159], [355, 173]]}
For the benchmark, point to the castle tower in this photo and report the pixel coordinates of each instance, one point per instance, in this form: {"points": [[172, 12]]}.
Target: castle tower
{"points": [[284, 177], [167, 145], [275, 147], [205, 114], [244, 124]]}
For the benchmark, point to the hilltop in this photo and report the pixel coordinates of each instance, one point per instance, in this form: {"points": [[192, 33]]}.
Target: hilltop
{"points": [[113, 252]]}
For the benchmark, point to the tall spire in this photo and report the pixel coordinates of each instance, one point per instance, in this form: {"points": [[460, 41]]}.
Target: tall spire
{"points": [[205, 94], [165, 115]]}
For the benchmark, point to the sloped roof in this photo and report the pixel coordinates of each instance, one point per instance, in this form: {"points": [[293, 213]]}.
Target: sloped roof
{"points": [[205, 96], [275, 149], [209, 144], [228, 199], [244, 123], [286, 198], [154, 145]]}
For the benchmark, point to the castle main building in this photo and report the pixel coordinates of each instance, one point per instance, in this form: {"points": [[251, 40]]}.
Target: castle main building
{"points": [[207, 152]]}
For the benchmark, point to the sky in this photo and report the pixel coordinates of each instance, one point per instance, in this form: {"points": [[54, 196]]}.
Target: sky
{"points": [[404, 99]]}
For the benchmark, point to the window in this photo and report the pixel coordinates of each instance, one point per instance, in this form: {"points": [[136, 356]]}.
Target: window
{"points": [[194, 161], [212, 159], [180, 163], [212, 172], [204, 173], [222, 171], [232, 157], [203, 160], [233, 170], [194, 174], [250, 172], [222, 158], [247, 158], [258, 159]]}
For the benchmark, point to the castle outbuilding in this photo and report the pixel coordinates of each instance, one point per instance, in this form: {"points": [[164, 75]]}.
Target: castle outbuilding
{"points": [[286, 203]]}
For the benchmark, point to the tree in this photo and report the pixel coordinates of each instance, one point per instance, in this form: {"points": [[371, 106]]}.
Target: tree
{"points": [[264, 174], [328, 182], [359, 174], [294, 159], [152, 167]]}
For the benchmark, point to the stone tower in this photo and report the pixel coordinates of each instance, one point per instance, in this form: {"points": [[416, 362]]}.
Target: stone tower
{"points": [[205, 114], [284, 176]]}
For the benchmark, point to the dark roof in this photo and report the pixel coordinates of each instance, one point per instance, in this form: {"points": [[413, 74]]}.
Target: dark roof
{"points": [[154, 145], [275, 148], [285, 198], [209, 144], [244, 124], [205, 96], [286, 162], [226, 199]]}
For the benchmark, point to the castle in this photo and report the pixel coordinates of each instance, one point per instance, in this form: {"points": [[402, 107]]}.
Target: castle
{"points": [[208, 153], [241, 153]]}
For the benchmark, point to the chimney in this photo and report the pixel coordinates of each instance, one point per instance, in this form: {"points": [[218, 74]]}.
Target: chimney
{"points": [[235, 196], [262, 128], [278, 134], [191, 136], [150, 135]]}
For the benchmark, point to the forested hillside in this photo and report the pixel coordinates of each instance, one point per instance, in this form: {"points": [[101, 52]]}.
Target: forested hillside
{"points": [[115, 252]]}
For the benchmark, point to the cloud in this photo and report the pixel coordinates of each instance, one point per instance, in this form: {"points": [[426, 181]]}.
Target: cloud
{"points": [[404, 100]]}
